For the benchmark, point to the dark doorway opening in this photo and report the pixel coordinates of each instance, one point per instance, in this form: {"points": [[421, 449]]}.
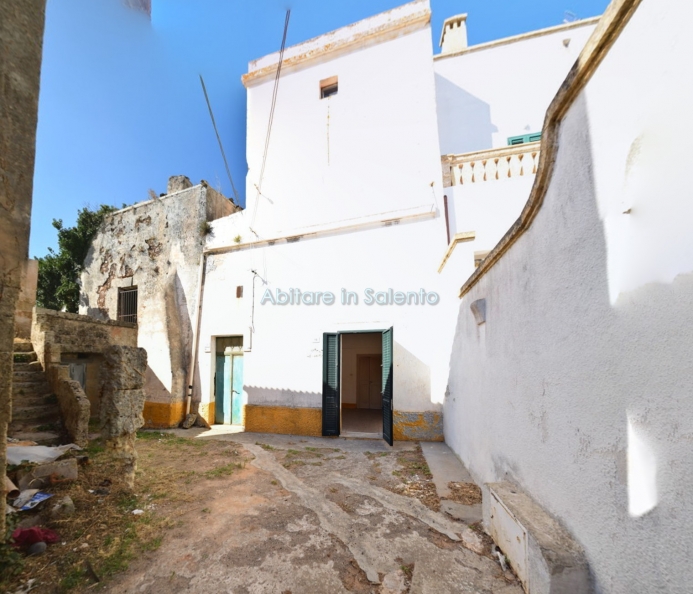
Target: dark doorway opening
{"points": [[357, 384]]}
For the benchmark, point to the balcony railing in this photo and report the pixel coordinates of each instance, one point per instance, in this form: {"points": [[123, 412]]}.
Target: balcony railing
{"points": [[493, 164]]}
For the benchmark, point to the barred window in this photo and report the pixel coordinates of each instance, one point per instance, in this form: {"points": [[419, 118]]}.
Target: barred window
{"points": [[127, 304]]}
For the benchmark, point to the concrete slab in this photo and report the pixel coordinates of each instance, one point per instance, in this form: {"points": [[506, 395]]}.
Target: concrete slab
{"points": [[469, 514], [445, 467]]}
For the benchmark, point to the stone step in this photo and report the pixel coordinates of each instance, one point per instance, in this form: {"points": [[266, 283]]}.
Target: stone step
{"points": [[36, 414], [31, 366], [25, 401], [47, 438], [22, 346], [25, 357], [31, 375], [29, 386]]}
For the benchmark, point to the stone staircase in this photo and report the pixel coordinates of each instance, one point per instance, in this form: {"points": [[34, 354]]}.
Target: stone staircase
{"points": [[35, 410]]}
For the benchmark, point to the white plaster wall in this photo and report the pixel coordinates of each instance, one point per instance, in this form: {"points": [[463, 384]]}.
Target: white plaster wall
{"points": [[371, 148], [486, 208], [578, 386], [284, 366], [485, 96]]}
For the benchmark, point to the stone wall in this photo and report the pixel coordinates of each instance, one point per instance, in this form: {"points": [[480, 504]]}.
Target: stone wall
{"points": [[74, 404], [26, 300], [21, 40], [156, 246], [61, 338], [122, 379]]}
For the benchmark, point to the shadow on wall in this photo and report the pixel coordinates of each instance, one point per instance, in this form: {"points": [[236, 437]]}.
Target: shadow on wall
{"points": [[411, 372], [154, 389], [464, 121], [179, 331]]}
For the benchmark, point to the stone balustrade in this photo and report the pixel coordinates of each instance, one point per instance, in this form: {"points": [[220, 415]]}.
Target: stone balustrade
{"points": [[489, 165]]}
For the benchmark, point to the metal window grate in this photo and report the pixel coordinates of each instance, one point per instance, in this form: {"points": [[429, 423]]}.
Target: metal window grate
{"points": [[127, 304]]}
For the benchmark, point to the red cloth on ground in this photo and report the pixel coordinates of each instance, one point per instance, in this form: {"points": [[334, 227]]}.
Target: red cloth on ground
{"points": [[25, 537]]}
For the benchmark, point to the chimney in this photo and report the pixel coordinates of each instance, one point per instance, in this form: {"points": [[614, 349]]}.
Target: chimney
{"points": [[454, 36], [176, 183]]}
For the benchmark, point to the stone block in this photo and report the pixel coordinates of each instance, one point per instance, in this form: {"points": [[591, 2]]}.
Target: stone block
{"points": [[123, 368], [121, 412]]}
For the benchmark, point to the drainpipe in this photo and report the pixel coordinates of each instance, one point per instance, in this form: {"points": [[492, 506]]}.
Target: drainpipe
{"points": [[447, 222]]}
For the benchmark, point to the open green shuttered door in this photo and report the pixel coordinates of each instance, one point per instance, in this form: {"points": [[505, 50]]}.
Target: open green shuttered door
{"points": [[387, 385], [330, 384]]}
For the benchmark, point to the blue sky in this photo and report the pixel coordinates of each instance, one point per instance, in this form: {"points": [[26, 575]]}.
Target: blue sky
{"points": [[121, 108]]}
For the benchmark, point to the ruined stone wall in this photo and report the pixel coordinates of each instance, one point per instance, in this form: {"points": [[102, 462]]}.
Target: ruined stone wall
{"points": [[26, 300], [156, 247], [61, 338], [58, 333], [21, 40]]}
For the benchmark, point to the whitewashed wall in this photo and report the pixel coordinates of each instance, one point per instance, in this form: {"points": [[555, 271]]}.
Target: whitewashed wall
{"points": [[486, 208], [486, 95], [371, 148], [578, 386], [284, 366]]}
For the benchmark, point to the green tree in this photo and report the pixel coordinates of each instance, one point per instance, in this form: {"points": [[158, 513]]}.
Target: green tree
{"points": [[58, 273]]}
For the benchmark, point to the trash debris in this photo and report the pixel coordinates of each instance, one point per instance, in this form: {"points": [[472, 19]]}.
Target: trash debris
{"points": [[189, 421], [25, 537], [10, 489], [501, 558], [65, 507], [46, 475], [29, 499], [137, 512], [30, 585], [17, 454], [38, 548]]}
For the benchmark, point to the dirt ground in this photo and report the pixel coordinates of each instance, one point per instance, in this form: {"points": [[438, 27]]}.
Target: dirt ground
{"points": [[253, 514]]}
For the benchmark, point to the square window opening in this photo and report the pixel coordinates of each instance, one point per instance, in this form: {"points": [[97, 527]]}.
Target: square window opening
{"points": [[127, 304], [329, 87]]}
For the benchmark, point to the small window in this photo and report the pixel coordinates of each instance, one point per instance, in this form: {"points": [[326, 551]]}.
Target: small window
{"points": [[479, 258], [328, 87], [239, 291], [127, 304], [513, 140]]}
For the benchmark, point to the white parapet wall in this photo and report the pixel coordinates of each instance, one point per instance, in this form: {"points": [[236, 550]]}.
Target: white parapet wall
{"points": [[576, 384]]}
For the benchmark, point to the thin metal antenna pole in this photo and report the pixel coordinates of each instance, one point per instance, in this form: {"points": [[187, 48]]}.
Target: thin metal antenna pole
{"points": [[211, 115]]}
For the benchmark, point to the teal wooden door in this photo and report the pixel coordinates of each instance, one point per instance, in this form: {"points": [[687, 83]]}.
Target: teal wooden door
{"points": [[237, 389], [222, 408]]}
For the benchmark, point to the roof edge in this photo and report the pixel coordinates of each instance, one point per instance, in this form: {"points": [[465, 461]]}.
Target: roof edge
{"points": [[376, 29], [521, 37]]}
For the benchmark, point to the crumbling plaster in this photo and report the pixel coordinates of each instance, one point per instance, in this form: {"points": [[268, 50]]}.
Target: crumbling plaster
{"points": [[156, 246]]}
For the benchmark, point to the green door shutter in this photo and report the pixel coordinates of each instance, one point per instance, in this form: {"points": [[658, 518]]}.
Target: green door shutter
{"points": [[387, 386], [330, 384]]}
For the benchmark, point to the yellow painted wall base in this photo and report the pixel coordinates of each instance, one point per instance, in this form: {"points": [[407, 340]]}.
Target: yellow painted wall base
{"points": [[206, 410], [418, 426], [283, 420], [163, 415]]}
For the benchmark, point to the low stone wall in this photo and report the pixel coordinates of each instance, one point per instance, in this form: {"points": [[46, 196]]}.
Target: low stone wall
{"points": [[74, 404], [57, 332]]}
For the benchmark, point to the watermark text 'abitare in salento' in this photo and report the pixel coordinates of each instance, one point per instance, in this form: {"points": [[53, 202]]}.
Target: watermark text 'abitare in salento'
{"points": [[370, 297]]}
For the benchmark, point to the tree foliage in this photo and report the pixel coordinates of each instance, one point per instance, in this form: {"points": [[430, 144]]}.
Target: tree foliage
{"points": [[58, 273]]}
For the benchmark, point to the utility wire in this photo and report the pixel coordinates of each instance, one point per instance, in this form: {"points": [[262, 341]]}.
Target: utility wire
{"points": [[271, 115], [211, 115]]}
